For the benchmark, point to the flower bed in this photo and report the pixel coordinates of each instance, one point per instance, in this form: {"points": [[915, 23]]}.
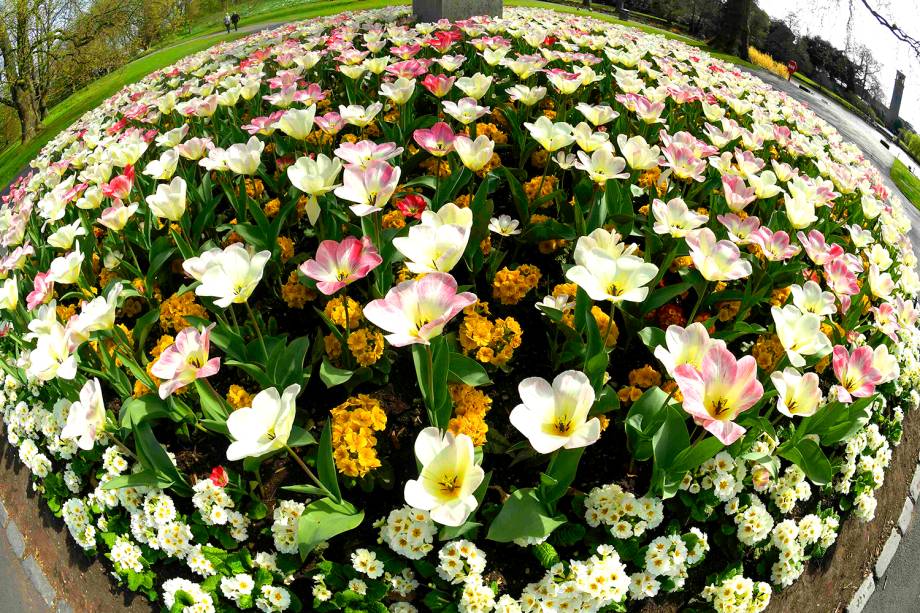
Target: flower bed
{"points": [[536, 313]]}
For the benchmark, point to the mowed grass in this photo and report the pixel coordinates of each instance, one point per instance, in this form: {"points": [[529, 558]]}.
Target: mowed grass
{"points": [[906, 182]]}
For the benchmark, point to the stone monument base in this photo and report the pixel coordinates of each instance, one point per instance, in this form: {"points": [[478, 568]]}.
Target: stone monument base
{"points": [[433, 10]]}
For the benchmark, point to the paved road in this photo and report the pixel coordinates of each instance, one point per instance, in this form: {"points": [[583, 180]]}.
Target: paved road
{"points": [[17, 594]]}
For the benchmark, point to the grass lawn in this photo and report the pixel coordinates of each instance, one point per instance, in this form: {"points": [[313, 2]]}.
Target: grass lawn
{"points": [[906, 182]]}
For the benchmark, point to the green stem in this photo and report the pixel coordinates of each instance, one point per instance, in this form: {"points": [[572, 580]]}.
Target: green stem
{"points": [[255, 324], [236, 324], [699, 303], [346, 351], [309, 472], [609, 325]]}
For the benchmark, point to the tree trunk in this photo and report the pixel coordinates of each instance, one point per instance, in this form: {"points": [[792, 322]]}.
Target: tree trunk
{"points": [[25, 111], [734, 35]]}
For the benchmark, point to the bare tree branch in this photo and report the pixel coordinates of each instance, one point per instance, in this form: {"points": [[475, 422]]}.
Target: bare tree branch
{"points": [[900, 34]]}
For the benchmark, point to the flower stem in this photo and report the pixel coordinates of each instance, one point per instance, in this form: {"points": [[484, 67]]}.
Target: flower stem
{"points": [[699, 303], [345, 350], [309, 472], [609, 325], [255, 324]]}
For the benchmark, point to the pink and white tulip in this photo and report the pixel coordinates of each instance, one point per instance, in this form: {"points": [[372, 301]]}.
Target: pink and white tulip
{"points": [[369, 188], [716, 260], [717, 393], [338, 264], [185, 361], [416, 311], [856, 373]]}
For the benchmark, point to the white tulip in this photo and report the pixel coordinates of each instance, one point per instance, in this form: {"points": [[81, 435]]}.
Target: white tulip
{"points": [[86, 417], [169, 200], [231, 275], [265, 426], [448, 478], [556, 416]]}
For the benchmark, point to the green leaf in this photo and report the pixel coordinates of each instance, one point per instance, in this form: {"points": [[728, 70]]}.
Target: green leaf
{"points": [[620, 206], [213, 407], [431, 368], [652, 337], [309, 490], [144, 478], [693, 457], [300, 437], [807, 455], [517, 194], [138, 410], [153, 456], [288, 369], [644, 418], [523, 515], [325, 463], [322, 520], [663, 296], [466, 370], [561, 472], [836, 422], [332, 376]]}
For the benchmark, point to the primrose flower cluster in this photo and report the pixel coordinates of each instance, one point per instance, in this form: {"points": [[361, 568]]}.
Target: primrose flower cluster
{"points": [[529, 313]]}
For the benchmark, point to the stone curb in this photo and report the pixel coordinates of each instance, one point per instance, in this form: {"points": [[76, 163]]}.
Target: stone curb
{"points": [[30, 565], [889, 549]]}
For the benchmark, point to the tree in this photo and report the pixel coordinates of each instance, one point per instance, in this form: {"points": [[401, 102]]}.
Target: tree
{"points": [[35, 35], [734, 35]]}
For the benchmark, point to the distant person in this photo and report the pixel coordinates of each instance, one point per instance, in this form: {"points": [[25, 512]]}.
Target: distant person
{"points": [[235, 18], [227, 22]]}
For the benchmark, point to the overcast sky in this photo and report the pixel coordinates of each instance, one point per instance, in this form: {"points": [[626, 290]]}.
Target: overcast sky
{"points": [[828, 19]]}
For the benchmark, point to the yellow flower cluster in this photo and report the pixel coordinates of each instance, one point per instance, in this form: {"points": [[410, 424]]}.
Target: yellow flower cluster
{"points": [[728, 310], [539, 187], [434, 165], [510, 286], [765, 60], [255, 188], [173, 311], [238, 397], [603, 322], [353, 441], [779, 296], [295, 293], [767, 350], [492, 131], [335, 311], [470, 408], [366, 345], [287, 248], [272, 207], [644, 377], [65, 311], [493, 342], [394, 219]]}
